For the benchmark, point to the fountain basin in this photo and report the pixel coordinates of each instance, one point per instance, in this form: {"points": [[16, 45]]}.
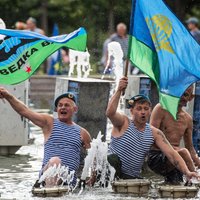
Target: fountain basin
{"points": [[178, 191], [50, 192], [139, 187]]}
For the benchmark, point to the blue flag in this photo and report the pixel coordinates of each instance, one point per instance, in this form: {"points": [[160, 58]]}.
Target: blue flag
{"points": [[22, 52], [162, 47]]}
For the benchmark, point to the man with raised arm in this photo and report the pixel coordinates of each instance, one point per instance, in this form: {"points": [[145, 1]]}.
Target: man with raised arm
{"points": [[132, 139], [174, 131], [62, 137]]}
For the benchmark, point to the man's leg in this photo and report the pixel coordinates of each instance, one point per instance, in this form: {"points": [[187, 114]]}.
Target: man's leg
{"points": [[159, 163], [115, 162], [52, 181]]}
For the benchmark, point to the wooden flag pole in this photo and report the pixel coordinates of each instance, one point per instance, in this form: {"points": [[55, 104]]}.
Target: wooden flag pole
{"points": [[126, 72]]}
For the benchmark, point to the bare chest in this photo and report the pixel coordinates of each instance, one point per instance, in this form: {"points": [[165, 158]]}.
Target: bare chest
{"points": [[174, 130]]}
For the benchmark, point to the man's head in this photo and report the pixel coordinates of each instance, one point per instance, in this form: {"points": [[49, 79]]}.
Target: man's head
{"points": [[187, 96], [140, 108], [65, 106], [31, 23], [192, 23], [121, 29]]}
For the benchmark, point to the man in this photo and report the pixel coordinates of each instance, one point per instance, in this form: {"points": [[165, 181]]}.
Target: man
{"points": [[131, 139], [174, 131], [192, 24], [31, 24], [122, 38], [62, 137]]}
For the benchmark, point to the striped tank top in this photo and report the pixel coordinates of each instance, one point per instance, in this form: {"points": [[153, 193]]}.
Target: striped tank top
{"points": [[132, 147], [65, 143]]}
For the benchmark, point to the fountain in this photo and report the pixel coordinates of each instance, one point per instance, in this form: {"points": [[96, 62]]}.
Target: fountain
{"points": [[58, 181], [115, 59], [96, 161], [82, 62]]}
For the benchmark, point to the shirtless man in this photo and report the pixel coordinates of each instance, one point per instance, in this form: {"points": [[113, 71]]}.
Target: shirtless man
{"points": [[131, 139], [174, 131], [63, 138]]}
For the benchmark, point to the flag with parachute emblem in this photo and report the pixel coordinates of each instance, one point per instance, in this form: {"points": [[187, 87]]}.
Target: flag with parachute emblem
{"points": [[22, 52], [161, 47]]}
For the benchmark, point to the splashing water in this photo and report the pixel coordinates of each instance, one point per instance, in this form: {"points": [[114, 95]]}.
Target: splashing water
{"points": [[82, 62], [96, 160], [56, 173], [115, 54]]}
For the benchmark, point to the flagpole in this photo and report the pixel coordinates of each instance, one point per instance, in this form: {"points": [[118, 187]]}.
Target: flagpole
{"points": [[126, 72]]}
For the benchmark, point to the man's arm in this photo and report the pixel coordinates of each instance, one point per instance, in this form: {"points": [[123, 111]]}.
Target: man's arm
{"points": [[156, 116], [86, 138], [171, 154], [38, 119], [188, 142], [116, 118]]}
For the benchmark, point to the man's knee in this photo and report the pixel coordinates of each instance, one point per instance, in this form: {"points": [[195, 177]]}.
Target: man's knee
{"points": [[54, 161]]}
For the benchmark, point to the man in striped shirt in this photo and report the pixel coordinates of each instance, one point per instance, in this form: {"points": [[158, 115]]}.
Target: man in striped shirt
{"points": [[131, 139], [63, 138]]}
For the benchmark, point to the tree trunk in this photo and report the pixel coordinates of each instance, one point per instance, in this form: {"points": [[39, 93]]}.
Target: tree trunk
{"points": [[44, 17], [111, 20]]}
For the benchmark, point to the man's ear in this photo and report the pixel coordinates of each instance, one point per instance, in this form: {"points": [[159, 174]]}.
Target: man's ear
{"points": [[191, 97], [75, 109]]}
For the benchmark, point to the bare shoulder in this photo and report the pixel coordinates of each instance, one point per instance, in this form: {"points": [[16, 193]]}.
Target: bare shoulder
{"points": [[159, 110], [84, 132], [48, 118], [156, 132], [85, 138]]}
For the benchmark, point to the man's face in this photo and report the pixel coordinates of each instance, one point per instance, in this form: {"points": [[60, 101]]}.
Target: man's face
{"points": [[191, 26], [121, 30], [30, 25], [186, 97], [65, 109], [141, 112]]}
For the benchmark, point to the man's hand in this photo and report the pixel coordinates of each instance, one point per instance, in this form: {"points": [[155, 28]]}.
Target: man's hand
{"points": [[91, 180], [123, 82], [189, 175], [3, 93]]}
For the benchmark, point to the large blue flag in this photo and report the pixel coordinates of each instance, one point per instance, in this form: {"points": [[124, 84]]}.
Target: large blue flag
{"points": [[162, 47]]}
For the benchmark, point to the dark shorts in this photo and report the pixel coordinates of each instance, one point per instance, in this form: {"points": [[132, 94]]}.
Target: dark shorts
{"points": [[160, 164], [115, 162]]}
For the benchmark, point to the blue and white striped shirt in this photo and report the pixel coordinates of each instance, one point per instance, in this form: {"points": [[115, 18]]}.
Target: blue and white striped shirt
{"points": [[65, 143], [132, 147]]}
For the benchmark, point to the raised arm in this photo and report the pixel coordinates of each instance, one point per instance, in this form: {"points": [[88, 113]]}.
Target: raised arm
{"points": [[40, 120], [116, 118], [189, 144], [171, 154]]}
